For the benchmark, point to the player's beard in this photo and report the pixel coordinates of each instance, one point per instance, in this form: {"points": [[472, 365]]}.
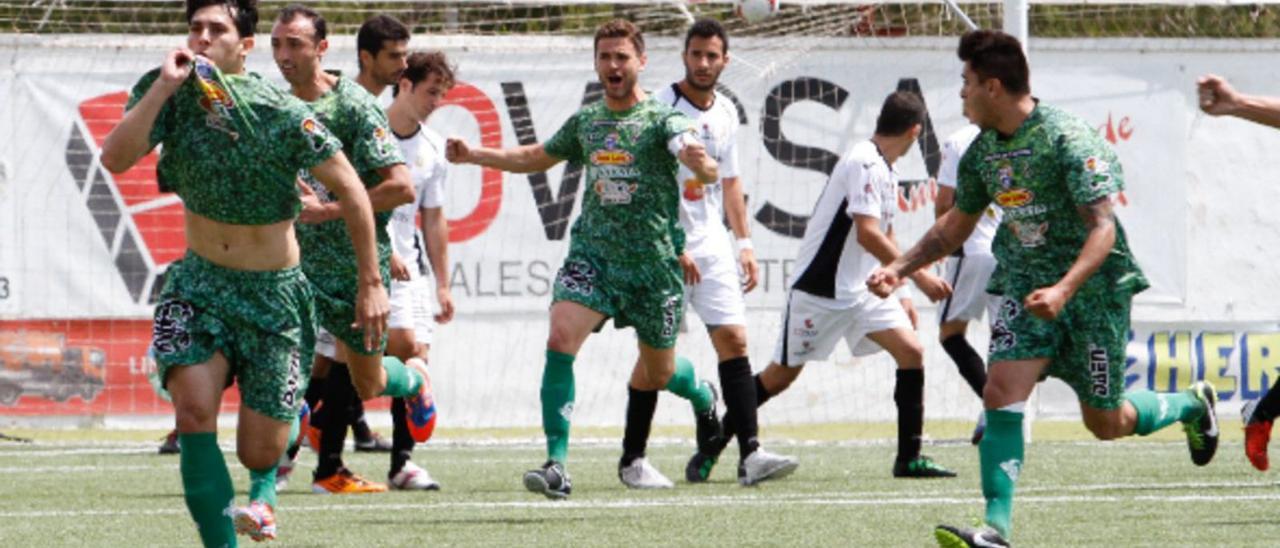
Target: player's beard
{"points": [[695, 84]]}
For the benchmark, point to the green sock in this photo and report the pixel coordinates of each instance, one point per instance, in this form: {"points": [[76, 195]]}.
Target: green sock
{"points": [[402, 381], [262, 485], [206, 486], [1000, 453], [686, 384], [1156, 411], [557, 404], [295, 428]]}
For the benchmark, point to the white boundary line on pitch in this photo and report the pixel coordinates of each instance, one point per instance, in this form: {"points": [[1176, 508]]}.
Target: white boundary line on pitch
{"points": [[672, 502]]}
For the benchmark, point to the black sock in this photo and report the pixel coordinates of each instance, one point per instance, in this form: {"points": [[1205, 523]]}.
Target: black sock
{"points": [[730, 422], [968, 362], [401, 440], [740, 401], [641, 405], [1269, 406], [359, 427], [333, 427], [909, 395]]}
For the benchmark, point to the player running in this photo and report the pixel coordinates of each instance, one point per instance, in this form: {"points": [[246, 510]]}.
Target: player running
{"points": [[624, 249], [237, 304], [299, 43], [1065, 277]]}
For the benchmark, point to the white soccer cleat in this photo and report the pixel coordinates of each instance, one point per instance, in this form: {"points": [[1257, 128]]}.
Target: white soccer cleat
{"points": [[762, 465], [642, 475], [413, 478]]}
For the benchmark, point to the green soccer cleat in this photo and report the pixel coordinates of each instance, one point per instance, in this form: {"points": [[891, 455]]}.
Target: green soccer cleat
{"points": [[1202, 432], [921, 467], [699, 467], [963, 537]]}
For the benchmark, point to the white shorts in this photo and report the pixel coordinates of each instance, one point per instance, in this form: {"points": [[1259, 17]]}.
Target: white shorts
{"points": [[411, 304], [811, 325], [718, 298], [326, 344], [968, 276]]}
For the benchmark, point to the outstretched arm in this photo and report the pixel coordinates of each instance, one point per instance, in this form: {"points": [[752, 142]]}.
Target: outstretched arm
{"points": [[944, 237], [522, 159], [1218, 98]]}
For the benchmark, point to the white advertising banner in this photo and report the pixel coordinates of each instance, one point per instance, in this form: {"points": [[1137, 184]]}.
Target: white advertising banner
{"points": [[79, 243]]}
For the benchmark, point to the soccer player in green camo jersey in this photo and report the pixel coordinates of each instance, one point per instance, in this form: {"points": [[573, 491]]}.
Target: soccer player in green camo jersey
{"points": [[1064, 282], [623, 252], [1219, 98], [298, 41], [237, 303]]}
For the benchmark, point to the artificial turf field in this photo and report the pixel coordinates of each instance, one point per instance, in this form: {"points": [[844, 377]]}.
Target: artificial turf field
{"points": [[109, 488]]}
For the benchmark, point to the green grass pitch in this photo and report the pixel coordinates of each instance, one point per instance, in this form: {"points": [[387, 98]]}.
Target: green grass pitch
{"points": [[108, 488]]}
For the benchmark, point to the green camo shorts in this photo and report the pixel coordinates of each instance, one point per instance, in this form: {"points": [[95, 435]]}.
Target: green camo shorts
{"points": [[648, 297], [1086, 344], [262, 322], [336, 310]]}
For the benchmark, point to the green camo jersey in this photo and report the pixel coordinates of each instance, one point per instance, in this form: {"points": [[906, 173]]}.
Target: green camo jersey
{"points": [[353, 115], [630, 213], [233, 145], [1052, 164]]}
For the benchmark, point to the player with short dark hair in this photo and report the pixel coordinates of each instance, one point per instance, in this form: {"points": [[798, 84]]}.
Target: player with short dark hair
{"points": [[237, 304], [849, 234], [361, 125], [716, 278], [1065, 277], [623, 254], [382, 45]]}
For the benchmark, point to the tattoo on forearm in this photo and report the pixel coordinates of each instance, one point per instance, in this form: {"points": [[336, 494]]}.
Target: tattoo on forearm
{"points": [[931, 247], [1097, 214]]}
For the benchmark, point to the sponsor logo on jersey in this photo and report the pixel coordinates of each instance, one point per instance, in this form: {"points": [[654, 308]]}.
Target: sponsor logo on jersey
{"points": [[1099, 171], [694, 190], [1014, 198], [1005, 175], [615, 192], [314, 132], [1029, 234], [612, 158], [1099, 371]]}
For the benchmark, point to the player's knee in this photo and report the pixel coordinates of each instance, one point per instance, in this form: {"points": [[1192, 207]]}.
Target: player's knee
{"points": [[910, 356], [259, 455], [194, 417], [367, 387], [562, 340], [1105, 427]]}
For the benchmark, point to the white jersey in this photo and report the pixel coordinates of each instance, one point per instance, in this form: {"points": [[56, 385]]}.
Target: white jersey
{"points": [[831, 264], [702, 205], [979, 243], [424, 153]]}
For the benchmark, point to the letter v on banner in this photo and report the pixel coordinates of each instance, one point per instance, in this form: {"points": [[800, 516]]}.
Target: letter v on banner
{"points": [[554, 210]]}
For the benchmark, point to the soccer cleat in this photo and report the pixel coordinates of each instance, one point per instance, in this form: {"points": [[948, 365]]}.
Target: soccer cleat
{"points": [[963, 537], [1257, 434], [284, 469], [375, 443], [708, 430], [256, 520], [345, 482], [699, 467], [1202, 432], [551, 481], [421, 417], [920, 467], [642, 475], [762, 465], [979, 429], [413, 478], [170, 444]]}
